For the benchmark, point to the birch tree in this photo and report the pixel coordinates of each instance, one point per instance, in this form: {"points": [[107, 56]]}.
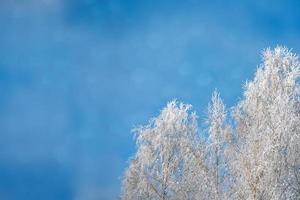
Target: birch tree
{"points": [[168, 163], [217, 131], [266, 165]]}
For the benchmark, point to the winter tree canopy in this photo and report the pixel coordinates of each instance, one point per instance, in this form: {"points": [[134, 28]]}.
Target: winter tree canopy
{"points": [[255, 154]]}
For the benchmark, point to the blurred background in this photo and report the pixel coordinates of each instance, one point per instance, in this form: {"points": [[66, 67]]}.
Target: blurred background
{"points": [[77, 75]]}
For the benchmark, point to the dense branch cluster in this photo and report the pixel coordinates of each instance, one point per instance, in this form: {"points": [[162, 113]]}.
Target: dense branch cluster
{"points": [[252, 154]]}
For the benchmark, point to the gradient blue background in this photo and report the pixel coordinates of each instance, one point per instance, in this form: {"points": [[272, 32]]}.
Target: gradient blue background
{"points": [[76, 76]]}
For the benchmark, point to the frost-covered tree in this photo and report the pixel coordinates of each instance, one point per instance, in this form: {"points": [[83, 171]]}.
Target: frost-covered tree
{"points": [[169, 161], [217, 131], [265, 152]]}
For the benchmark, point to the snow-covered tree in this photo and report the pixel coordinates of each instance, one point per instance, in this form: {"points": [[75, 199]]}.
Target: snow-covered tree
{"points": [[266, 160], [217, 130], [169, 161]]}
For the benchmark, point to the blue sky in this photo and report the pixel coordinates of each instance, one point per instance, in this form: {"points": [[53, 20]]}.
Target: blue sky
{"points": [[77, 75]]}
